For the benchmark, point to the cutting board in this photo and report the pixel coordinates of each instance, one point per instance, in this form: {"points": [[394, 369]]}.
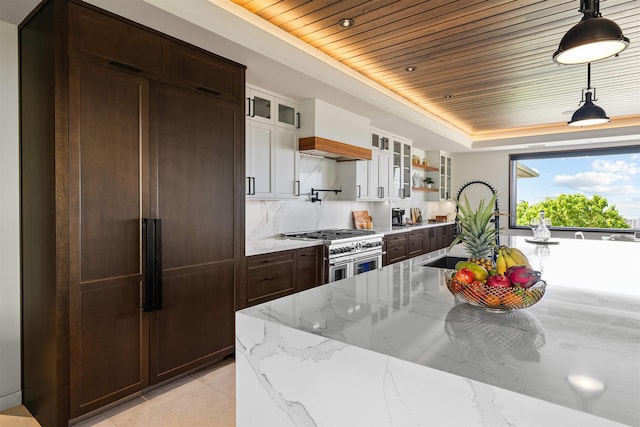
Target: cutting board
{"points": [[362, 220]]}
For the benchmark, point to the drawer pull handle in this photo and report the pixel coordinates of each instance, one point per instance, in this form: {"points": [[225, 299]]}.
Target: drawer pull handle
{"points": [[126, 66], [209, 91]]}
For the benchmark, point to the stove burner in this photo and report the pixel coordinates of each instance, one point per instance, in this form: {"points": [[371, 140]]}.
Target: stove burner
{"points": [[331, 234]]}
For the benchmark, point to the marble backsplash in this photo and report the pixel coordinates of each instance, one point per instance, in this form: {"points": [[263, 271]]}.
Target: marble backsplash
{"points": [[269, 218]]}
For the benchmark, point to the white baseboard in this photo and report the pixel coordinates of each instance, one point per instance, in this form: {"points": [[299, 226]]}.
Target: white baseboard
{"points": [[10, 400]]}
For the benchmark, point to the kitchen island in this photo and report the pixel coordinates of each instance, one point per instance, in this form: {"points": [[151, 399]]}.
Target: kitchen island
{"points": [[394, 347]]}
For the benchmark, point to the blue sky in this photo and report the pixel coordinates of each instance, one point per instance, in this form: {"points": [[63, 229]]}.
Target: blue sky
{"points": [[615, 177]]}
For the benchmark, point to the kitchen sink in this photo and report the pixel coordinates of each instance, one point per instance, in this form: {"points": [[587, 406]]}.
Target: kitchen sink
{"points": [[444, 262]]}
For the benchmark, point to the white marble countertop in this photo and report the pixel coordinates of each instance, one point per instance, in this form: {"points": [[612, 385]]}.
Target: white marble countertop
{"points": [[578, 348], [263, 246]]}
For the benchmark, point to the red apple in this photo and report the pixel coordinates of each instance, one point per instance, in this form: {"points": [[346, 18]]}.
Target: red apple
{"points": [[464, 275], [499, 281]]}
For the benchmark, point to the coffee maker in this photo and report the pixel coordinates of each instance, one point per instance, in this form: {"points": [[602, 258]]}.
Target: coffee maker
{"points": [[397, 216]]}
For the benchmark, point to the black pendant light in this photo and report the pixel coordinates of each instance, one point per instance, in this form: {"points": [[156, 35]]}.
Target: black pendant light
{"points": [[589, 114], [592, 39]]}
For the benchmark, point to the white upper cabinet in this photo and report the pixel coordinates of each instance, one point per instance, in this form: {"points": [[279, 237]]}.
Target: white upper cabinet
{"points": [[353, 179], [401, 181], [272, 155], [260, 160], [287, 182], [265, 107], [380, 176], [380, 140], [287, 115], [368, 180], [442, 178]]}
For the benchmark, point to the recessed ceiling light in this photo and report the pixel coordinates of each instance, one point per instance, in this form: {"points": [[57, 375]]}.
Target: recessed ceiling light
{"points": [[347, 22], [448, 96], [410, 68]]}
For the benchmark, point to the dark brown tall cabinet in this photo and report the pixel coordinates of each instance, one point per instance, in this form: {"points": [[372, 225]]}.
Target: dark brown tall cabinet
{"points": [[132, 166]]}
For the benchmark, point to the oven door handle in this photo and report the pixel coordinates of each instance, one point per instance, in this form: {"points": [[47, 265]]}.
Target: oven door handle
{"points": [[368, 256]]}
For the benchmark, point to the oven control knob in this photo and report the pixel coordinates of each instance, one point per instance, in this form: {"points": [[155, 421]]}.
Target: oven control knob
{"points": [[358, 246]]}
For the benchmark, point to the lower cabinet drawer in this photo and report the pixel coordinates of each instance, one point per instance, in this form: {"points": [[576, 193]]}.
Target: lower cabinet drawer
{"points": [[270, 276], [396, 251], [267, 282]]}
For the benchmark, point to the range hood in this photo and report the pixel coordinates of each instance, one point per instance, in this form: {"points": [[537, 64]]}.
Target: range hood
{"points": [[332, 149], [334, 133]]}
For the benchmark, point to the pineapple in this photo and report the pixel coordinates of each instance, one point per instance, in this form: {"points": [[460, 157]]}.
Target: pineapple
{"points": [[477, 234]]}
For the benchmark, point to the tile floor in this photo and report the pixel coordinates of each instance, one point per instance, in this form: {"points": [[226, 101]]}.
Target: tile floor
{"points": [[205, 398]]}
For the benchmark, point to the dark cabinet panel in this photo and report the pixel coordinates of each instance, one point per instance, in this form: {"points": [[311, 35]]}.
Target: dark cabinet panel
{"points": [[449, 234], [106, 140], [396, 248], [415, 243], [195, 324], [205, 73], [108, 331], [193, 159], [310, 268], [194, 164], [105, 143], [429, 238], [111, 360], [270, 276], [96, 37]]}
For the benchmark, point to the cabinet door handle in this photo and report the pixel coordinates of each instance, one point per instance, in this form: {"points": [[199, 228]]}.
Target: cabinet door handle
{"points": [[126, 66], [253, 192], [248, 107], [298, 119], [152, 288], [252, 113], [359, 195], [248, 192], [209, 91], [298, 187]]}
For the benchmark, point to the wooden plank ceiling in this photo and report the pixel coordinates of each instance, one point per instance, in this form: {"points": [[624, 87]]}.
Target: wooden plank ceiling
{"points": [[482, 65]]}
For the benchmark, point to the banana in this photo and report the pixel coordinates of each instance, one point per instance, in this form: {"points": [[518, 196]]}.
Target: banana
{"points": [[508, 259], [501, 264], [519, 257]]}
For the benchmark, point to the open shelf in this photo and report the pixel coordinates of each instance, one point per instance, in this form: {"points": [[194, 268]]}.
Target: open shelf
{"points": [[426, 168], [433, 190]]}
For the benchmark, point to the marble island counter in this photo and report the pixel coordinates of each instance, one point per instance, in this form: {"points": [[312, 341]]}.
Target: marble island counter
{"points": [[393, 347]]}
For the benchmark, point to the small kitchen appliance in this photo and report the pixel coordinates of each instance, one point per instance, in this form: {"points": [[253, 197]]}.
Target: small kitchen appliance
{"points": [[346, 252], [397, 216]]}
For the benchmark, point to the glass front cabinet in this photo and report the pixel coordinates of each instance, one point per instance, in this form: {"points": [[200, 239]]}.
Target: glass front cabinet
{"points": [[443, 177], [272, 155], [271, 109], [401, 168]]}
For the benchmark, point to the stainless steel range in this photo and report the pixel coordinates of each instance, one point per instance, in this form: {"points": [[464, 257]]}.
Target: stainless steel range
{"points": [[346, 252]]}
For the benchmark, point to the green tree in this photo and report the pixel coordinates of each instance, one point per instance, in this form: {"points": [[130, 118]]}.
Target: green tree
{"points": [[573, 210]]}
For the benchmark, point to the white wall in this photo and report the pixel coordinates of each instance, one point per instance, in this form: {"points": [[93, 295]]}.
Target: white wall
{"points": [[10, 393]]}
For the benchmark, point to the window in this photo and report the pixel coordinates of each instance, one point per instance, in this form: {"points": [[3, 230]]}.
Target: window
{"points": [[578, 190]]}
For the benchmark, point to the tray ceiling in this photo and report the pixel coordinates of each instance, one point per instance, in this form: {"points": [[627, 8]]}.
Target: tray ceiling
{"points": [[483, 66]]}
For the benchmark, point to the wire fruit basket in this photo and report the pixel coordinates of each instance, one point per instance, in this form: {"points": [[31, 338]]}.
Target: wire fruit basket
{"points": [[496, 298]]}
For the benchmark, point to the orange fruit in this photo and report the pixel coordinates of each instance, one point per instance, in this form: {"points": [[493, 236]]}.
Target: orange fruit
{"points": [[512, 300], [492, 300]]}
